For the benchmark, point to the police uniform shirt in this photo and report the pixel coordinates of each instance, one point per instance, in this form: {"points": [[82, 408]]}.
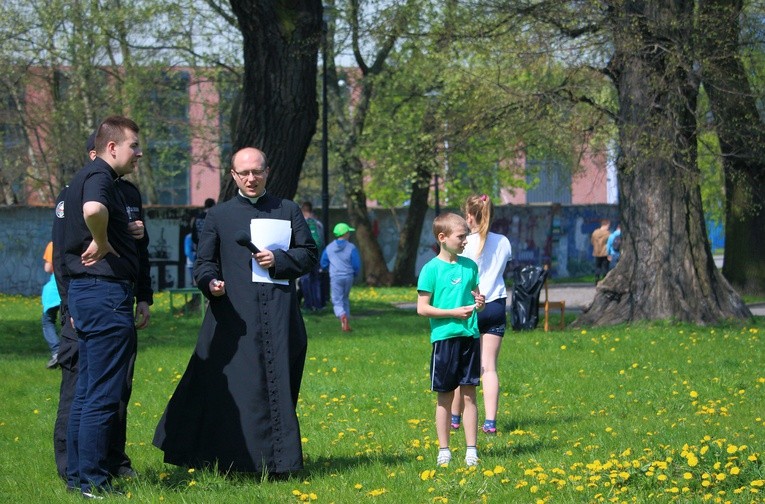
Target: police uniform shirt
{"points": [[96, 182]]}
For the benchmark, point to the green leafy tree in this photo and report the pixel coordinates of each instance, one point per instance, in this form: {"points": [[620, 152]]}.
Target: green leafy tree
{"points": [[70, 64]]}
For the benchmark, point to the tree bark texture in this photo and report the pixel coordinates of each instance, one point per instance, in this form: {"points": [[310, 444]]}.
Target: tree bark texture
{"points": [[742, 142], [666, 270], [375, 269], [409, 239], [279, 110]]}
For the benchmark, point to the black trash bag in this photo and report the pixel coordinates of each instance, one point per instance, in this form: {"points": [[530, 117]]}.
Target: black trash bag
{"points": [[527, 284]]}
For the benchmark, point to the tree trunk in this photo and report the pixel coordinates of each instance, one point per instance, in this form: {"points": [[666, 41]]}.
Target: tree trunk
{"points": [[409, 239], [666, 270], [742, 138], [279, 109], [375, 270]]}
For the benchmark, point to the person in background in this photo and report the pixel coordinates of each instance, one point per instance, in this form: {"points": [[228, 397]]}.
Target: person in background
{"points": [[50, 304], [198, 222], [341, 258], [190, 251], [598, 239], [234, 407], [614, 246], [310, 284], [448, 294], [491, 251]]}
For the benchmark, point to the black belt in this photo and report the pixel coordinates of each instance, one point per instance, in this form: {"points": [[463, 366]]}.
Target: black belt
{"points": [[107, 279]]}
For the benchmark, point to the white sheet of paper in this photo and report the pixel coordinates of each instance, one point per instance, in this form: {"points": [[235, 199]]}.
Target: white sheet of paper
{"points": [[271, 234]]}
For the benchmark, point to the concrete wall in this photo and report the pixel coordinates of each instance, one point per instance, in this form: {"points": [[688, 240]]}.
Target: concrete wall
{"points": [[539, 234]]}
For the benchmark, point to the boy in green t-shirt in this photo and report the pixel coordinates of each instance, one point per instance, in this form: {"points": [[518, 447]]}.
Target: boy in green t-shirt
{"points": [[447, 293]]}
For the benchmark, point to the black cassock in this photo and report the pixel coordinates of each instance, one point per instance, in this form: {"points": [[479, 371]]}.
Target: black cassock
{"points": [[235, 405]]}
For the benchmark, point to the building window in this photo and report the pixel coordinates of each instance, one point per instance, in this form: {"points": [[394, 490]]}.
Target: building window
{"points": [[169, 144], [554, 182]]}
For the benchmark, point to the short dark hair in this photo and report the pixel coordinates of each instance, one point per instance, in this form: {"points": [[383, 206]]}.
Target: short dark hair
{"points": [[447, 223], [307, 205], [209, 203], [112, 129]]}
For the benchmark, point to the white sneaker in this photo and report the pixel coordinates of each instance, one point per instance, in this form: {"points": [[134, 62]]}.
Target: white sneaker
{"points": [[471, 458]]}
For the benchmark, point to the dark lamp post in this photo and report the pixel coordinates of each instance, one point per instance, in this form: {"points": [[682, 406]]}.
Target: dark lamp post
{"points": [[324, 134]]}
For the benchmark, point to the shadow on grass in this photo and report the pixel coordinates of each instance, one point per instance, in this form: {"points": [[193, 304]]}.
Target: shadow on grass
{"points": [[179, 478]]}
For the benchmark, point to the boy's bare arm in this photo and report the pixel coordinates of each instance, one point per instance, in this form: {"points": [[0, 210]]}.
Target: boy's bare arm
{"points": [[425, 309]]}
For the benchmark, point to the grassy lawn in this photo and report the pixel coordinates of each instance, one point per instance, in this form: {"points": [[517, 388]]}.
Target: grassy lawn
{"points": [[642, 413]]}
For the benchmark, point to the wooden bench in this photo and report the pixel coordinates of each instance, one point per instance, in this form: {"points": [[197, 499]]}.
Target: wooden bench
{"points": [[553, 304], [188, 294]]}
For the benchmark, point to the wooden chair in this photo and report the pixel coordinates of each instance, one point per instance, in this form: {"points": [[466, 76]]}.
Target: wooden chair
{"points": [[553, 304]]}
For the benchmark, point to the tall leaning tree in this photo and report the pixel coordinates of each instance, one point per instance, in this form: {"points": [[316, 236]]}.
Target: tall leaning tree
{"points": [[666, 270], [742, 141], [278, 110]]}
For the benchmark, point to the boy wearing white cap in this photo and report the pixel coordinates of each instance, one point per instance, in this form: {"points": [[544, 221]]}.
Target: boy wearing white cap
{"points": [[342, 259]]}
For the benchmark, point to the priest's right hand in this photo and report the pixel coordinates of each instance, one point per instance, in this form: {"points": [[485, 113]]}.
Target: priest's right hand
{"points": [[217, 287]]}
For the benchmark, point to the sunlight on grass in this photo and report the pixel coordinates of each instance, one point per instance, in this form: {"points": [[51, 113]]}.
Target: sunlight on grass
{"points": [[645, 413]]}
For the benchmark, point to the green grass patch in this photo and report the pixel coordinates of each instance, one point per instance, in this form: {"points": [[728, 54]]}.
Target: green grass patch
{"points": [[643, 413]]}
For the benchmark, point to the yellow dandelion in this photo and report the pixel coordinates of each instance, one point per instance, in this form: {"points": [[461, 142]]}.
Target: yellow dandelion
{"points": [[192, 483], [36, 412], [731, 448], [694, 394], [488, 473], [735, 470], [427, 474], [358, 486], [377, 492]]}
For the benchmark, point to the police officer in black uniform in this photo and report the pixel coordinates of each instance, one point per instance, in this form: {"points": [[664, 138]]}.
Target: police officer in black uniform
{"points": [[100, 263], [118, 461]]}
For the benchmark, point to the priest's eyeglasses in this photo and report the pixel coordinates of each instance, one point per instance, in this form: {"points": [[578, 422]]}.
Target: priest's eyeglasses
{"points": [[244, 175]]}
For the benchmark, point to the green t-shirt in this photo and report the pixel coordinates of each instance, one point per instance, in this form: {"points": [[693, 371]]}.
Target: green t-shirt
{"points": [[449, 285]]}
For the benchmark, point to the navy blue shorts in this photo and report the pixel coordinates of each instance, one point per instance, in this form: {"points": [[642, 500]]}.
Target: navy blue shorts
{"points": [[455, 362], [492, 319]]}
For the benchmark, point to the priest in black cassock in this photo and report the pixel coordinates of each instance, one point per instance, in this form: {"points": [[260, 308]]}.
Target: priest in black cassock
{"points": [[235, 405]]}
